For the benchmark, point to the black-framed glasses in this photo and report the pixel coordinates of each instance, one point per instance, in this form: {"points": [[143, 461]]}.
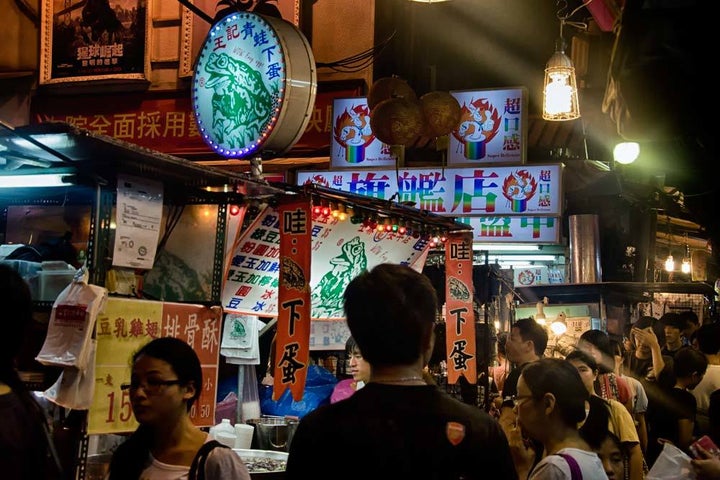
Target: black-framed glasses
{"points": [[151, 386], [518, 399]]}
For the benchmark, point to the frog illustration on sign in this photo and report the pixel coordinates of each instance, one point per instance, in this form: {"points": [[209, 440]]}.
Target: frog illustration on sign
{"points": [[241, 102], [327, 296]]}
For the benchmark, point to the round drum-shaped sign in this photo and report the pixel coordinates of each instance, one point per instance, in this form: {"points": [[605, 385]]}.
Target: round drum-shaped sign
{"points": [[254, 86]]}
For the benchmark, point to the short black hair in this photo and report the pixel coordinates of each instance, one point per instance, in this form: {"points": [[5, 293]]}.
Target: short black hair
{"points": [[687, 361], [391, 312], [672, 319], [531, 330]]}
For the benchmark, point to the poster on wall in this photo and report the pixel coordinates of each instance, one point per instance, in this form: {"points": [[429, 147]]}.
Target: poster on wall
{"points": [[340, 251], [93, 40], [194, 28], [126, 325], [353, 144], [492, 127]]}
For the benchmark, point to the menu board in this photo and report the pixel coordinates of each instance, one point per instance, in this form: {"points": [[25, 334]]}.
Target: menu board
{"points": [[126, 325]]}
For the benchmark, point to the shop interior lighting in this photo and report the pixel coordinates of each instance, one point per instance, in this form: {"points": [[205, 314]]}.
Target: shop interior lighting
{"points": [[504, 247], [669, 264], [39, 180], [559, 325], [686, 266], [527, 258], [560, 93]]}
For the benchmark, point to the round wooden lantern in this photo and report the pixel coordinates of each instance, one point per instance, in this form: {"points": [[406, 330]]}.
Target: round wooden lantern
{"points": [[397, 121]]}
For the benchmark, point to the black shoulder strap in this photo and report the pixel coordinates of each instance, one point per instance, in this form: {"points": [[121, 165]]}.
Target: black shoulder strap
{"points": [[197, 469]]}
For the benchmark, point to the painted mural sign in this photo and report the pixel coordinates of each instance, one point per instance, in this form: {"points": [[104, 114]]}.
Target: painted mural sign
{"points": [[353, 144], [340, 251], [492, 127]]}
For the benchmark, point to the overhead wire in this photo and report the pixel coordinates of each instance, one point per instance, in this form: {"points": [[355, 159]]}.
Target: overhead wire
{"points": [[359, 61]]}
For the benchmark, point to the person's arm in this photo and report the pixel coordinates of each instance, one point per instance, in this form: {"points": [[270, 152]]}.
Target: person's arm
{"points": [[685, 434], [707, 467], [641, 427], [635, 461], [224, 463]]}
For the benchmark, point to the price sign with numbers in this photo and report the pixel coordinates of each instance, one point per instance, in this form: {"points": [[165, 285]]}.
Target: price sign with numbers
{"points": [[126, 325]]}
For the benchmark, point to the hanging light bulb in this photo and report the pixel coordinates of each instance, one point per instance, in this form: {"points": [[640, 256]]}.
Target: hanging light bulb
{"points": [[686, 266], [560, 94], [669, 264], [559, 325]]}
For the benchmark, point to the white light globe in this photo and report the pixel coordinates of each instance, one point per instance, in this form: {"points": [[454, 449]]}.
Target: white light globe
{"points": [[626, 152]]}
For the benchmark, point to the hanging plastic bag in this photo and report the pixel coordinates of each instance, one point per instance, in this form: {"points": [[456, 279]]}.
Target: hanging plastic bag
{"points": [[71, 323], [74, 387], [672, 464]]}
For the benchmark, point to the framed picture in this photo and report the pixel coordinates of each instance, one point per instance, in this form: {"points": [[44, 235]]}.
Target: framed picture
{"points": [[194, 28], [83, 40]]}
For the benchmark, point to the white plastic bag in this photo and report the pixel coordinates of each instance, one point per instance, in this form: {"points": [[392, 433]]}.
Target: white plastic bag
{"points": [[671, 464], [75, 387], [71, 324]]}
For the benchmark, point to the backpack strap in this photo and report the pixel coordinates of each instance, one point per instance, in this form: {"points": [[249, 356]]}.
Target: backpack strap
{"points": [[575, 472], [197, 469]]}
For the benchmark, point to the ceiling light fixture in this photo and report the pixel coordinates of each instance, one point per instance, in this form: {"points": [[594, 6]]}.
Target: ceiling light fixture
{"points": [[504, 247], [40, 180], [560, 93]]}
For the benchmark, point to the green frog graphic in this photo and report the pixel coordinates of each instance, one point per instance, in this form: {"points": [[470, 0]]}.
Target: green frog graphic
{"points": [[241, 102], [327, 296]]}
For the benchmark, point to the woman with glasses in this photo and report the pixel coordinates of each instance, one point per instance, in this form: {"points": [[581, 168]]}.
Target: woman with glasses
{"points": [[550, 404], [166, 380]]}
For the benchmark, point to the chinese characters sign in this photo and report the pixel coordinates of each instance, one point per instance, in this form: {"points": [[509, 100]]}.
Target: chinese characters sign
{"points": [[154, 121], [125, 326], [459, 313], [353, 142], [492, 127], [340, 251], [292, 349], [509, 204], [93, 40]]}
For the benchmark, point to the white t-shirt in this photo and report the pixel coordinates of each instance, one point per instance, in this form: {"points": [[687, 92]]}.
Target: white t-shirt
{"points": [[158, 470], [555, 467]]}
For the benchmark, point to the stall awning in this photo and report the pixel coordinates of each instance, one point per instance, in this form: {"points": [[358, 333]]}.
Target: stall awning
{"points": [[86, 157]]}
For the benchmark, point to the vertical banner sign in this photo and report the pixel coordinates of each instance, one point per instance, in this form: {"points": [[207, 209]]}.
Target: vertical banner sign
{"points": [[460, 316], [292, 346]]}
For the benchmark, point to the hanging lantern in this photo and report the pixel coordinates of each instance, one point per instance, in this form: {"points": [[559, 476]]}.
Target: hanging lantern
{"points": [[397, 121], [441, 112], [389, 87]]}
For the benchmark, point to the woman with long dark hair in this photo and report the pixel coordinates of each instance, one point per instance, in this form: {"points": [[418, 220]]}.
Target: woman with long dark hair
{"points": [[550, 405], [166, 380], [26, 449]]}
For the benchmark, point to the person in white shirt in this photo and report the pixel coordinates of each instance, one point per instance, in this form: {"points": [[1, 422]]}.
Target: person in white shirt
{"points": [[708, 338]]}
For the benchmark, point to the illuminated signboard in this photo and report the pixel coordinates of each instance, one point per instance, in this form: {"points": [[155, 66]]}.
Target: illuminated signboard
{"points": [[501, 204], [254, 86], [492, 127], [353, 144]]}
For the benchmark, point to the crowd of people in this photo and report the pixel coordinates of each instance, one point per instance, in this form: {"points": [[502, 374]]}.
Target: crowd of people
{"points": [[605, 410]]}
